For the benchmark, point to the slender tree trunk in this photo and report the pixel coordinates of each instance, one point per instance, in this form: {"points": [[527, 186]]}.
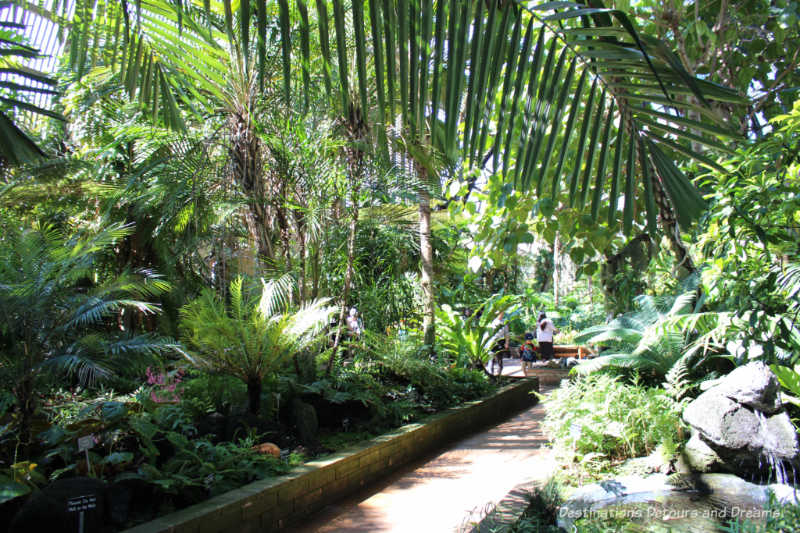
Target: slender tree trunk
{"points": [[426, 260], [254, 395], [669, 226], [301, 242], [556, 269], [356, 132], [315, 272]]}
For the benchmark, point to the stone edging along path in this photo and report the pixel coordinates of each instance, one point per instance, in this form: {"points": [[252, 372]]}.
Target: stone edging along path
{"points": [[274, 503]]}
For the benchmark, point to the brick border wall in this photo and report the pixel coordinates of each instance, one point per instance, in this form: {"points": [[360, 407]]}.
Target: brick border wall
{"points": [[272, 504]]}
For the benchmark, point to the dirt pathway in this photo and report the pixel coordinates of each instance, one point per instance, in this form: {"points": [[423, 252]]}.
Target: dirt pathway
{"points": [[452, 488]]}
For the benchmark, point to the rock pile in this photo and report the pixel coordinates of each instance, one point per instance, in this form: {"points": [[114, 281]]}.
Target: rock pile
{"points": [[738, 425]]}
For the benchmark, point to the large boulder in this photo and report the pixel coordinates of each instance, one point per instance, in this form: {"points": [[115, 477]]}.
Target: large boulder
{"points": [[66, 505], [306, 421], [721, 420], [699, 455], [739, 420], [753, 385]]}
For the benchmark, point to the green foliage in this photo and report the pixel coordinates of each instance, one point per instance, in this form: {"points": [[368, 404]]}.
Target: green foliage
{"points": [[55, 311], [542, 511], [600, 417], [158, 446], [206, 393], [779, 518], [467, 340], [249, 339], [662, 338], [789, 379], [750, 237]]}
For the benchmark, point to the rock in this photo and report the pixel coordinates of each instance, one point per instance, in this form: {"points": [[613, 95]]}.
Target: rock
{"points": [[778, 437], [721, 420], [268, 448], [785, 494], [59, 506], [753, 385], [305, 419], [699, 455]]}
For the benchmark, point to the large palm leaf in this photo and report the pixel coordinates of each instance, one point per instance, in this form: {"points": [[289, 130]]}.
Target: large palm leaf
{"points": [[511, 80], [23, 89], [562, 97]]}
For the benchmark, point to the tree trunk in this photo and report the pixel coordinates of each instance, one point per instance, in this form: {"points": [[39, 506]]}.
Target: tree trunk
{"points": [[356, 132], [426, 259], [669, 226], [348, 279], [301, 252], [254, 395], [556, 269]]}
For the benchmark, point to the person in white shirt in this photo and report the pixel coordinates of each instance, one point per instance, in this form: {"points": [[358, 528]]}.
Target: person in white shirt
{"points": [[353, 323], [544, 335]]}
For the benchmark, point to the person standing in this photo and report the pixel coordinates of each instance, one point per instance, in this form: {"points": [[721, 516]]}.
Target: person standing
{"points": [[499, 343], [528, 353], [544, 335]]}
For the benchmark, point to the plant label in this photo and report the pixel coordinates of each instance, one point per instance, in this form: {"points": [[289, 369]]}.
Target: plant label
{"points": [[81, 504], [85, 443]]}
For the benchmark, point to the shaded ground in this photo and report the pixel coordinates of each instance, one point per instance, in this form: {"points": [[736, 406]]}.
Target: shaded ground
{"points": [[452, 488]]}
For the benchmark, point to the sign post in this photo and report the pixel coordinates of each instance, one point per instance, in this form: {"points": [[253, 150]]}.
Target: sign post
{"points": [[84, 444], [81, 504]]}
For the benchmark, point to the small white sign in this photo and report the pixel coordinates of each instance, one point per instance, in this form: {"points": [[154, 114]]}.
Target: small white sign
{"points": [[82, 503], [85, 443]]}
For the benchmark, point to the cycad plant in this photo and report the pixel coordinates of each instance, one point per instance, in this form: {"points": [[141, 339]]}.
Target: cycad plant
{"points": [[56, 318], [250, 338], [650, 340]]}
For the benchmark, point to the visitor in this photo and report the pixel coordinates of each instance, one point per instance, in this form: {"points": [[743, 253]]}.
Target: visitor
{"points": [[499, 343], [544, 335], [528, 353], [353, 323]]}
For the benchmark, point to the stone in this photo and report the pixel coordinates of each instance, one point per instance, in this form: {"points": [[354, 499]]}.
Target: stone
{"points": [[699, 455], [722, 421], [778, 437], [59, 506], [753, 385], [268, 448], [305, 420]]}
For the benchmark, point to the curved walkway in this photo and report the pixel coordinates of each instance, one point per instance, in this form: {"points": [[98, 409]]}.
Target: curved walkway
{"points": [[452, 488]]}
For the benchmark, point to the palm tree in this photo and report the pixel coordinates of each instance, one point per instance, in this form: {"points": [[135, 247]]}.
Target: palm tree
{"points": [[54, 319], [502, 83], [21, 90], [247, 338]]}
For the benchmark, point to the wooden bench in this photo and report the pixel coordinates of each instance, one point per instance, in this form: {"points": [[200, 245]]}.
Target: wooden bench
{"points": [[569, 350]]}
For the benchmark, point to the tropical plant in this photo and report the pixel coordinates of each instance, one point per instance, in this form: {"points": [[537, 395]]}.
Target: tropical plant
{"points": [[250, 338], [57, 317], [647, 340], [600, 416], [515, 75], [467, 339], [21, 88]]}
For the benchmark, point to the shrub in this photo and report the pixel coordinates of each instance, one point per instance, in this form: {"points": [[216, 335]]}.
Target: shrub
{"points": [[598, 416]]}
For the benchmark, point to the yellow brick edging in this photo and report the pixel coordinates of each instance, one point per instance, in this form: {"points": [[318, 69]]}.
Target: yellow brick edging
{"points": [[272, 504]]}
